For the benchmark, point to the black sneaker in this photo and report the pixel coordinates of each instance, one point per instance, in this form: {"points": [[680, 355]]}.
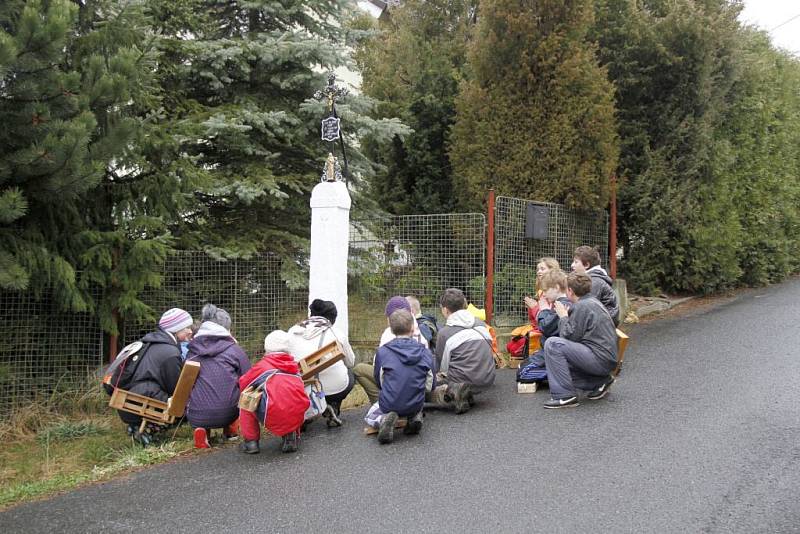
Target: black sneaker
{"points": [[460, 394], [249, 447], [289, 442], [386, 430], [569, 402], [600, 391], [414, 424]]}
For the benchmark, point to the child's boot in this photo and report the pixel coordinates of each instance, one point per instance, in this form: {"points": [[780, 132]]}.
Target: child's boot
{"points": [[386, 430], [459, 393], [414, 424], [290, 442], [231, 432], [249, 447], [201, 439], [331, 417]]}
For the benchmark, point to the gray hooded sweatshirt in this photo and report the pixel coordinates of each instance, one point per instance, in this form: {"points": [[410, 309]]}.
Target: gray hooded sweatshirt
{"points": [[602, 291], [464, 350]]}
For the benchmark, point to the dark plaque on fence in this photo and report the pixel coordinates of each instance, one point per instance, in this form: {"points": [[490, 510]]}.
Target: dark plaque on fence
{"points": [[330, 129], [537, 220]]}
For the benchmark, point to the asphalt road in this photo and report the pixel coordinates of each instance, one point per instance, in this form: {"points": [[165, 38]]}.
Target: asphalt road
{"points": [[700, 434]]}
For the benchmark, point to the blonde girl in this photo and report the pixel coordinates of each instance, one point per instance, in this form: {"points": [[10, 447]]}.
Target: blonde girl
{"points": [[544, 265]]}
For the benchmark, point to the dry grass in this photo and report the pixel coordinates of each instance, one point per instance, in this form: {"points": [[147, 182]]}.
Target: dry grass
{"points": [[356, 399], [71, 437], [78, 401], [67, 452]]}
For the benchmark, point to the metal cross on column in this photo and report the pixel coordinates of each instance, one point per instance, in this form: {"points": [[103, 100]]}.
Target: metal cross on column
{"points": [[331, 130]]}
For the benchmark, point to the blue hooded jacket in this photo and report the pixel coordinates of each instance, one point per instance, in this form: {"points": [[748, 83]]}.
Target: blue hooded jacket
{"points": [[404, 370]]}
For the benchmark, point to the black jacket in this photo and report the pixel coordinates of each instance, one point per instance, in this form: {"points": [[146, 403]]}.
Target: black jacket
{"points": [[157, 373]]}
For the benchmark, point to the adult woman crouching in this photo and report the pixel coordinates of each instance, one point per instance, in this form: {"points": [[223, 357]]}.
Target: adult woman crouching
{"points": [[214, 402]]}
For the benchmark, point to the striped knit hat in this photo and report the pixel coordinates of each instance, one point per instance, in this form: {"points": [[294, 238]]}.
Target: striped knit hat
{"points": [[175, 320]]}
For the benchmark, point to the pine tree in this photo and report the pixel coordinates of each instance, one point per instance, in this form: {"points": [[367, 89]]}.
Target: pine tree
{"points": [[414, 65], [64, 96], [536, 116]]}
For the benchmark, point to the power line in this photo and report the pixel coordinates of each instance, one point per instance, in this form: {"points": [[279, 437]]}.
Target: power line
{"points": [[785, 22]]}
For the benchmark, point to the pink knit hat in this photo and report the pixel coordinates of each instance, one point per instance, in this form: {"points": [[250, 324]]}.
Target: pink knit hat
{"points": [[175, 320]]}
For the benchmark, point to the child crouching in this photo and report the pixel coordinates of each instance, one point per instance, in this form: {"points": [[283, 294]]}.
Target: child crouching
{"points": [[554, 288], [283, 401], [404, 372]]}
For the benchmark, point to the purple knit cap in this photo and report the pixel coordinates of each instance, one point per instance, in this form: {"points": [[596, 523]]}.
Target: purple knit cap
{"points": [[397, 303]]}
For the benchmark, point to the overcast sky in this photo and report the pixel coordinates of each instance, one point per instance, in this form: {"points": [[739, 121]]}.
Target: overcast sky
{"points": [[768, 14]]}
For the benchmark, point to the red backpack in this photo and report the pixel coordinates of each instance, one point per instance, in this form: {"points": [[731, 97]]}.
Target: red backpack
{"points": [[284, 400]]}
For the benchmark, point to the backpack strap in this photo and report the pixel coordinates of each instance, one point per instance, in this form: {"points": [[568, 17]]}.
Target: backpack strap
{"points": [[142, 352]]}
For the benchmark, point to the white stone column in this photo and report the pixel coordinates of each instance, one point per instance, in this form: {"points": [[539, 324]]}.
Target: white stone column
{"points": [[330, 237]]}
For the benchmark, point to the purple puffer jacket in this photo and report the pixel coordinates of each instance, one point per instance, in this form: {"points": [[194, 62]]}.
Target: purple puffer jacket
{"points": [[215, 396]]}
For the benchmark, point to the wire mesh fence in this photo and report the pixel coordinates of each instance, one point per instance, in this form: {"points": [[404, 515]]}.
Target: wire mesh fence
{"points": [[43, 349], [515, 257], [251, 291], [418, 255]]}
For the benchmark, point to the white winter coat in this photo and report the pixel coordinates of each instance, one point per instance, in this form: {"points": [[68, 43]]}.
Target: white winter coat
{"points": [[309, 336]]}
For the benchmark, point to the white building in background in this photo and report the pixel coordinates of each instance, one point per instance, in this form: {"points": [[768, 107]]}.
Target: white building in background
{"points": [[376, 8]]}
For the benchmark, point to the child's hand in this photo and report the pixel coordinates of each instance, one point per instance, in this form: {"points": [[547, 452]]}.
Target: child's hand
{"points": [[561, 310], [529, 302], [544, 304]]}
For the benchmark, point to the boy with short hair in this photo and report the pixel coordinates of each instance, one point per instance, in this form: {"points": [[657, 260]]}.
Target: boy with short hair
{"points": [[585, 352], [586, 260], [465, 363], [554, 289], [404, 372], [365, 372], [426, 323]]}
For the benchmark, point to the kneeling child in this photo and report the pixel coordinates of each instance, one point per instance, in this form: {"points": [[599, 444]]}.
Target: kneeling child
{"points": [[404, 372], [283, 401]]}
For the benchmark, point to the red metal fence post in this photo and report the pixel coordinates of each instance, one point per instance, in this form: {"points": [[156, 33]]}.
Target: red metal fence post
{"points": [[612, 238], [490, 259]]}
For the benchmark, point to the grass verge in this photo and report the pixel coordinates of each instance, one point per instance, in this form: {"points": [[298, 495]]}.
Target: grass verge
{"points": [[47, 451], [69, 453]]}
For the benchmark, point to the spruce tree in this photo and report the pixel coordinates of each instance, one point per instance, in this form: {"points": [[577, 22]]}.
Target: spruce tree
{"points": [[535, 119], [239, 80]]}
